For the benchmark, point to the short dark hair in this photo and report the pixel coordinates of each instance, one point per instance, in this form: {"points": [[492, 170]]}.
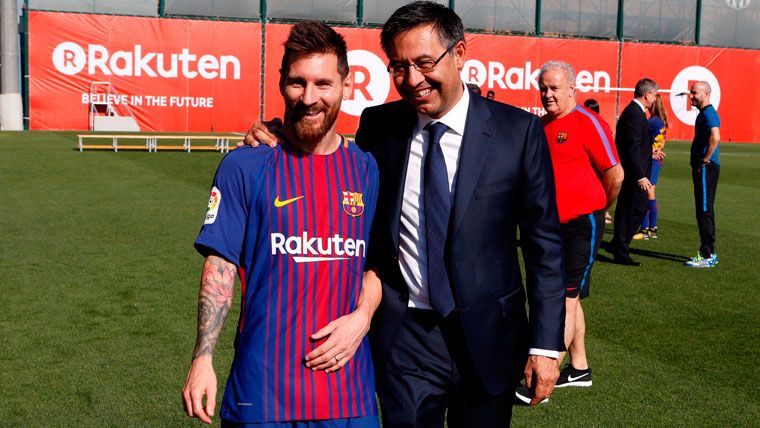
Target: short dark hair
{"points": [[444, 21], [311, 37], [644, 86], [474, 88], [592, 104]]}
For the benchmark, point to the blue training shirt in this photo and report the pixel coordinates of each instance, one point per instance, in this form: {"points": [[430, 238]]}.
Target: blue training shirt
{"points": [[706, 120]]}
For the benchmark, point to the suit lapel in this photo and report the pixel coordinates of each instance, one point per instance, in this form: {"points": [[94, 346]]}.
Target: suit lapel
{"points": [[472, 156], [397, 146]]}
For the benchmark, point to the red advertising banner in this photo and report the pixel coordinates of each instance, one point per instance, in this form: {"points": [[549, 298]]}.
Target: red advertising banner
{"points": [[168, 74], [509, 66], [728, 71], [193, 75]]}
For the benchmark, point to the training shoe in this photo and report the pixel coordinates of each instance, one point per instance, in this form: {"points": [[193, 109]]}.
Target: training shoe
{"points": [[570, 376], [641, 234], [702, 262], [652, 233], [523, 395]]}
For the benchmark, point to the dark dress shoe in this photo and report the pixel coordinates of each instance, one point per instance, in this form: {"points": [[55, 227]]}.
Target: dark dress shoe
{"points": [[626, 261]]}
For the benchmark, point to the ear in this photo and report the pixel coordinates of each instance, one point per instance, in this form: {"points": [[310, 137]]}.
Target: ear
{"points": [[348, 85], [459, 51]]}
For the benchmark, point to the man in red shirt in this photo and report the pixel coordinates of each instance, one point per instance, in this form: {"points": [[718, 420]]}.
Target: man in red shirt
{"points": [[587, 175]]}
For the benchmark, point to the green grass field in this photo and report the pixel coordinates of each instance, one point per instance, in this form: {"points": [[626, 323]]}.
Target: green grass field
{"points": [[99, 284]]}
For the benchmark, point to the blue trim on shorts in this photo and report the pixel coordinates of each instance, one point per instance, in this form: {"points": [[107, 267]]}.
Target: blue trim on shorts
{"points": [[592, 220], [704, 188]]}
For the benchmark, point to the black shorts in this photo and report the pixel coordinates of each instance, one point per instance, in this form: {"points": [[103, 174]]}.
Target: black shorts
{"points": [[581, 238]]}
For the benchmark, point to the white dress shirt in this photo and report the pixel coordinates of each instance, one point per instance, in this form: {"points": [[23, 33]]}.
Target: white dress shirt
{"points": [[412, 239], [412, 235]]}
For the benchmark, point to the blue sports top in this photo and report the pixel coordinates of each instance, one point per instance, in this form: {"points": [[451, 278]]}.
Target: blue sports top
{"points": [[297, 226], [706, 120]]}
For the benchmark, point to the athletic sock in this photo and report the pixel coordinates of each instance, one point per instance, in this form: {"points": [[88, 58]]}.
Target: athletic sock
{"points": [[653, 213], [645, 221]]}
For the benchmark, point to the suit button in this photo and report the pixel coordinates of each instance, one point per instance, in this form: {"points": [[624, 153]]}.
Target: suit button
{"points": [[395, 257]]}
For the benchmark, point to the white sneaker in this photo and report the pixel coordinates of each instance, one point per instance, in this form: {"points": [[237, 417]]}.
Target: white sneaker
{"points": [[702, 262]]}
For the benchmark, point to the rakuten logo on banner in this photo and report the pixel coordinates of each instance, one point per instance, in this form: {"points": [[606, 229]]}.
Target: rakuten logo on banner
{"points": [[372, 82], [679, 89], [70, 59], [163, 74], [525, 78]]}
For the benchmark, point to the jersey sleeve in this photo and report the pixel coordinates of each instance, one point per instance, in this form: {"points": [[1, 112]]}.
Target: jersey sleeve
{"points": [[599, 144], [223, 229], [712, 119], [373, 178]]}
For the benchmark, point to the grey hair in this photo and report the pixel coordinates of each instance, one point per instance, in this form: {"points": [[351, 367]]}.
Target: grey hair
{"points": [[645, 86], [558, 65]]}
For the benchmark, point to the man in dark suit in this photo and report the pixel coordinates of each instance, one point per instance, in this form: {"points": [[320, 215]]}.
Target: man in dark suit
{"points": [[458, 175], [635, 151]]}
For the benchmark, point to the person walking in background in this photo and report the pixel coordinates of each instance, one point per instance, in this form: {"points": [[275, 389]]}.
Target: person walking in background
{"points": [[635, 150], [588, 177], [658, 128], [592, 105], [705, 170]]}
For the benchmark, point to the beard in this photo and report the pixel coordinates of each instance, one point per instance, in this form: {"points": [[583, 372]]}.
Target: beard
{"points": [[306, 131]]}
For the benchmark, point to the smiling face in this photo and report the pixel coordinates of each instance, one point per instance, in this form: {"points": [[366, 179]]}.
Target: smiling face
{"points": [[313, 90], [557, 92], [433, 93], [698, 95]]}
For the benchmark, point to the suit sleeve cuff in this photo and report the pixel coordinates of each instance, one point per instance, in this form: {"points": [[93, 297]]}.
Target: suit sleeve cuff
{"points": [[544, 353]]}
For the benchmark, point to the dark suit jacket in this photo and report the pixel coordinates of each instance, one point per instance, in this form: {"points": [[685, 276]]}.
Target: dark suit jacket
{"points": [[504, 179], [633, 144]]}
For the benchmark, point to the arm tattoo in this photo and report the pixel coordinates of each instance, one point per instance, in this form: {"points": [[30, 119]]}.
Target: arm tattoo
{"points": [[214, 301]]}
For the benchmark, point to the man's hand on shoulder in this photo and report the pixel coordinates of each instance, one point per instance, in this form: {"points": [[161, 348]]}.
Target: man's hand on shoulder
{"points": [[201, 381], [263, 133], [541, 373]]}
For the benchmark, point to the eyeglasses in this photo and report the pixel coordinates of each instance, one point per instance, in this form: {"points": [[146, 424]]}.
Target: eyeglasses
{"points": [[398, 69]]}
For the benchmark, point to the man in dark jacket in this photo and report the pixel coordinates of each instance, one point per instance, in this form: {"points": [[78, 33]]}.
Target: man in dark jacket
{"points": [[635, 151]]}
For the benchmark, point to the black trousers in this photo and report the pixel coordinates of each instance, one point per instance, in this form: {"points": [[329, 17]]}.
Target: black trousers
{"points": [[632, 206], [429, 371], [705, 180]]}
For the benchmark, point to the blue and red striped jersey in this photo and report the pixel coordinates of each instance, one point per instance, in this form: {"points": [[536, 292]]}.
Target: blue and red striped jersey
{"points": [[297, 226]]}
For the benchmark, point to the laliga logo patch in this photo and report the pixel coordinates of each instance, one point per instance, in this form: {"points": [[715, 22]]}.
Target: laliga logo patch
{"points": [[213, 205], [353, 204], [561, 137], [679, 90], [371, 82], [738, 4]]}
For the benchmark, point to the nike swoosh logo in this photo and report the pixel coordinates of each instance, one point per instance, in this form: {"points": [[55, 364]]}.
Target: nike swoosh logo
{"points": [[573, 379], [279, 204]]}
